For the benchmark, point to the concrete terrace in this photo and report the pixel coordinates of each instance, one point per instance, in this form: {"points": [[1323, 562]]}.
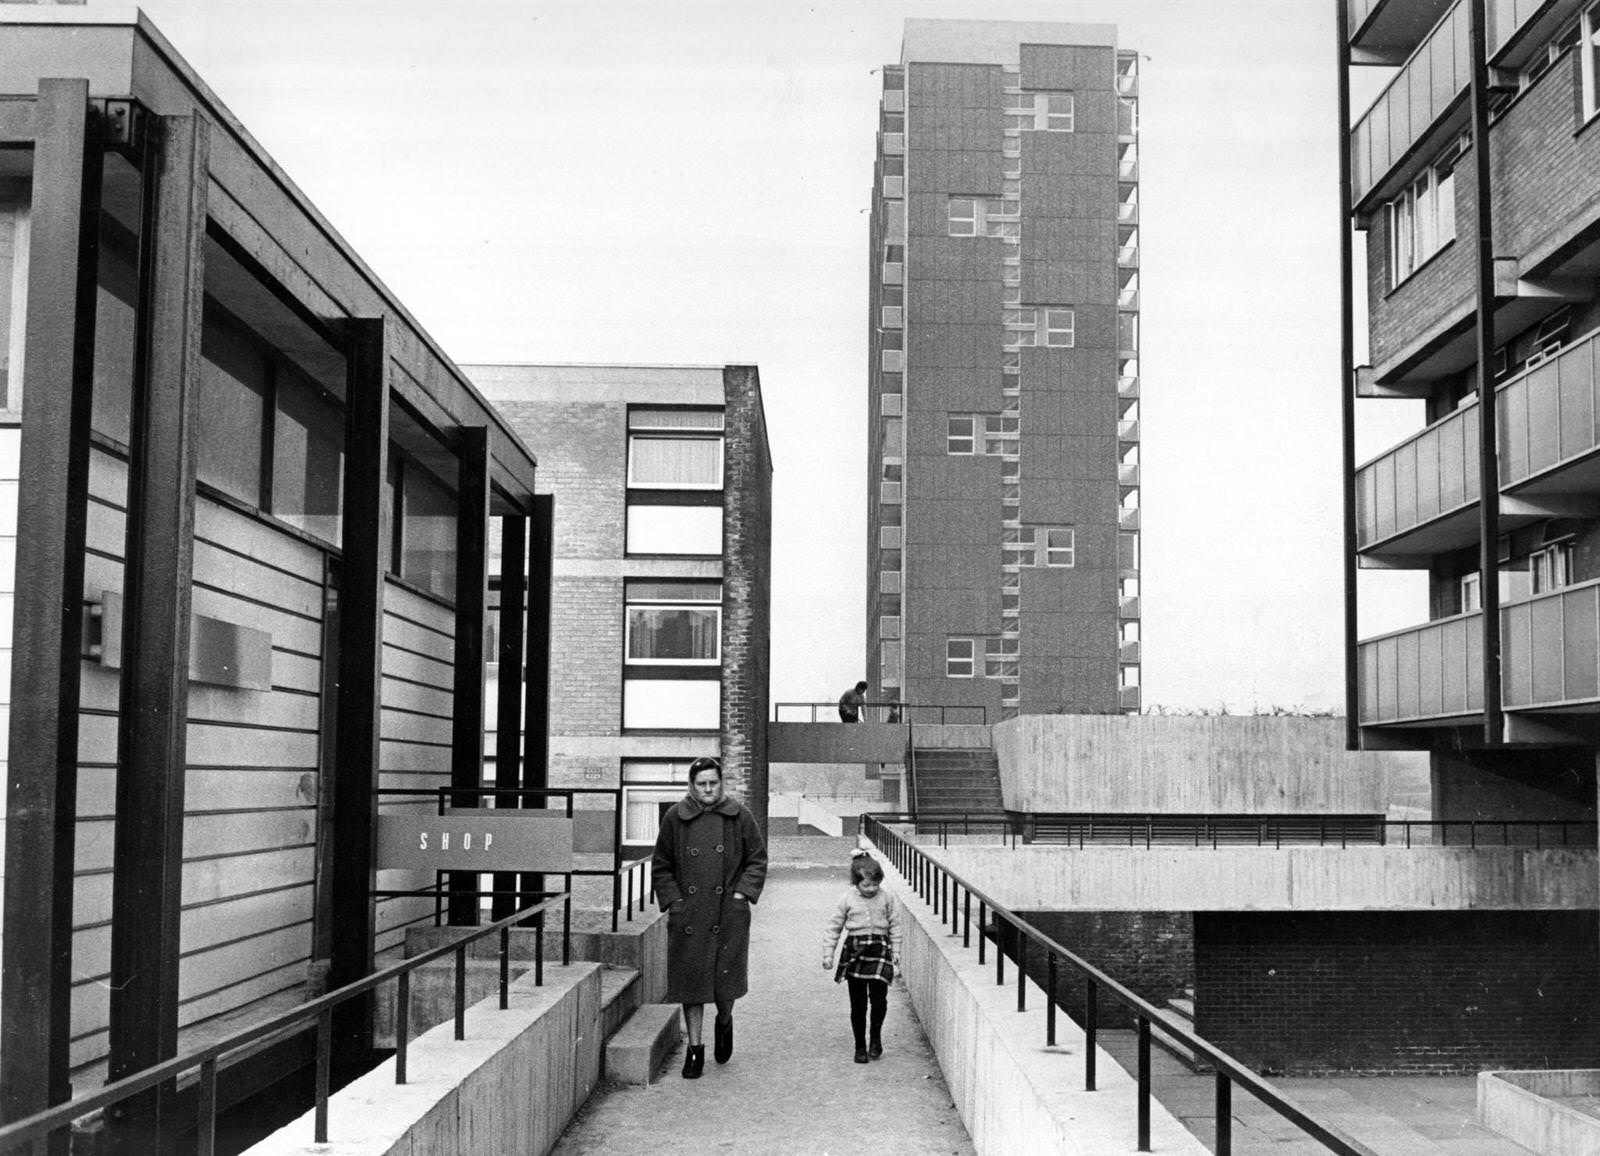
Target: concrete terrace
{"points": [[792, 1086]]}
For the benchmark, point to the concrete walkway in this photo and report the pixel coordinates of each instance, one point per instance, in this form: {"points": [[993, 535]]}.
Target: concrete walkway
{"points": [[792, 1086]]}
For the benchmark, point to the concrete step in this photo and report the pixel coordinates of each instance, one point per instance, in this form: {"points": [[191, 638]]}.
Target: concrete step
{"points": [[635, 1053], [621, 994]]}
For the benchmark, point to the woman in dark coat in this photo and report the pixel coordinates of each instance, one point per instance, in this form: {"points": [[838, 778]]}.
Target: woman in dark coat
{"points": [[709, 866]]}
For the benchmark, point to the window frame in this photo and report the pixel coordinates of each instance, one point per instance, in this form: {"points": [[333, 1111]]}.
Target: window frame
{"points": [[953, 437], [1053, 553], [953, 660], [633, 602], [1422, 219], [1589, 61]]}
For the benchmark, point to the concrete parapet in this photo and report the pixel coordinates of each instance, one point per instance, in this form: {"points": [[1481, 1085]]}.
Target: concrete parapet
{"points": [[1015, 1095], [1222, 765], [1526, 1107], [831, 742], [1286, 879], [509, 1088]]}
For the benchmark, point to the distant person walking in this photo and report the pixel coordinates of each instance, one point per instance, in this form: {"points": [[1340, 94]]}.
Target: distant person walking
{"points": [[851, 702], [709, 866], [869, 920]]}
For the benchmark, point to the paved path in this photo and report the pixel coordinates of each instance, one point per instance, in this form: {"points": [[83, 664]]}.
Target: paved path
{"points": [[792, 1087]]}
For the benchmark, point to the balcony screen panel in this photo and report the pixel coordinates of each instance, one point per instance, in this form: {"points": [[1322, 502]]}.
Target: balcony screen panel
{"points": [[1545, 633], [1419, 91], [1544, 418], [1513, 433], [1516, 676], [1575, 369], [1452, 463], [1427, 478], [672, 704], [1369, 683], [1469, 453], [1580, 642], [1472, 672], [1385, 468], [1445, 80], [1430, 674], [1406, 649], [1388, 672], [1405, 486], [1453, 663], [1367, 507], [1361, 158]]}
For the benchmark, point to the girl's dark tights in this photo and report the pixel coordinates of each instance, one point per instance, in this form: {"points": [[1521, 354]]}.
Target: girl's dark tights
{"points": [[861, 992]]}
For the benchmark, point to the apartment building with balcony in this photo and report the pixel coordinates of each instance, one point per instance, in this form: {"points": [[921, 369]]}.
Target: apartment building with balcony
{"points": [[1003, 448], [660, 479], [1488, 127]]}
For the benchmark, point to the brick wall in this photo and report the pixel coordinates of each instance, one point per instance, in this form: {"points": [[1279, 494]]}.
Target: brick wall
{"points": [[747, 586], [1151, 952], [1399, 992]]}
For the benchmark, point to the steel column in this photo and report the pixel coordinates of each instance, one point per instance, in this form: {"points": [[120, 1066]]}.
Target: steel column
{"points": [[472, 549], [508, 705], [41, 792]]}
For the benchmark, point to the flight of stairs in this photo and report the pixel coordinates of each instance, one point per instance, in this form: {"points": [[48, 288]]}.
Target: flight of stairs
{"points": [[957, 780]]}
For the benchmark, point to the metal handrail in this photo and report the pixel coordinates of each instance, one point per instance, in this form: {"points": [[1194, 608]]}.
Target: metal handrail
{"points": [[942, 889], [892, 712], [317, 1013]]}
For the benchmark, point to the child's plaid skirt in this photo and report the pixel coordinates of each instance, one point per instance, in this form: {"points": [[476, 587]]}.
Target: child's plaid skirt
{"points": [[865, 956]]}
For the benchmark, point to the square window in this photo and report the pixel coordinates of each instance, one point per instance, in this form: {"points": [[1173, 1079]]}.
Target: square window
{"points": [[1058, 111], [958, 657], [1060, 547], [963, 217], [1060, 327], [961, 438]]}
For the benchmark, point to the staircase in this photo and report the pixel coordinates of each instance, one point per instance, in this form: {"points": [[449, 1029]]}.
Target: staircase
{"points": [[957, 780]]}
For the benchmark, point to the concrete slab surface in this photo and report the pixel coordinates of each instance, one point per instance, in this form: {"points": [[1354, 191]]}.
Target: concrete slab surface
{"points": [[792, 1087]]}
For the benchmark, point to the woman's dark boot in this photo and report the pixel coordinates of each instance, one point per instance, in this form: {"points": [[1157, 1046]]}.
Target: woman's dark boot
{"points": [[723, 1051], [875, 1049], [694, 1061]]}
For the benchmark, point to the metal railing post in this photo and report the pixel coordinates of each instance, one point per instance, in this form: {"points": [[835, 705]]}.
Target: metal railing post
{"points": [[324, 1075], [1022, 971], [999, 953], [1144, 1084], [566, 924], [983, 911], [505, 968], [1091, 1030], [461, 992], [1050, 999], [966, 919], [206, 1111], [402, 1026], [1224, 1145]]}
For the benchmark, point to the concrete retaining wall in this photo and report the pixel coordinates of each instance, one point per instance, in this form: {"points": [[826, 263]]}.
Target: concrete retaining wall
{"points": [[1016, 1096], [509, 1088], [1234, 765], [1291, 879], [1525, 1107]]}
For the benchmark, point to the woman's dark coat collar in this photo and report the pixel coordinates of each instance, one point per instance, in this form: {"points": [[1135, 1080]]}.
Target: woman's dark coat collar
{"points": [[690, 808]]}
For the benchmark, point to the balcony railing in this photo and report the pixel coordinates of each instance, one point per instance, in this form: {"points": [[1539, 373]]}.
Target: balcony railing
{"points": [[1550, 658], [1434, 671], [1128, 474], [1128, 652], [1128, 518], [1128, 697], [1127, 431], [1506, 17], [1128, 606], [1428, 83], [1546, 419]]}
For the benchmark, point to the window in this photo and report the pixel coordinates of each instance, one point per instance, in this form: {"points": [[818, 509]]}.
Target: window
{"points": [[1039, 112], [1000, 657], [1053, 325], [1019, 546], [1060, 547], [1589, 59], [1001, 435], [1059, 327], [674, 623], [649, 788], [423, 538], [961, 438], [234, 385], [1551, 567], [308, 457], [958, 657], [984, 217], [675, 449], [1422, 219]]}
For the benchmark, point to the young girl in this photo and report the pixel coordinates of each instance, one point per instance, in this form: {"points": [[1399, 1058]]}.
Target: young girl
{"points": [[870, 921]]}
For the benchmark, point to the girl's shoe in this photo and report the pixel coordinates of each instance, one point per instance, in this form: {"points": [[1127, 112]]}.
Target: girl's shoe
{"points": [[861, 1055], [723, 1050], [694, 1062], [876, 1050]]}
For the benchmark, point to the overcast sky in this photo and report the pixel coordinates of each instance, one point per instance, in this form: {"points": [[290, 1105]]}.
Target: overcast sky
{"points": [[674, 182]]}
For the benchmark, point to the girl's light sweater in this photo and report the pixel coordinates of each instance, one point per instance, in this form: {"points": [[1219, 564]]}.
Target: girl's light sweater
{"points": [[856, 913]]}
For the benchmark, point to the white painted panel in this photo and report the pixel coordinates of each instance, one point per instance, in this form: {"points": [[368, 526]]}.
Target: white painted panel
{"points": [[8, 507], [412, 758], [219, 878], [92, 848], [290, 976], [91, 1006], [211, 971], [215, 923], [405, 695], [91, 956], [108, 478], [210, 835], [219, 746], [674, 530], [672, 704], [398, 725], [106, 530], [218, 790]]}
